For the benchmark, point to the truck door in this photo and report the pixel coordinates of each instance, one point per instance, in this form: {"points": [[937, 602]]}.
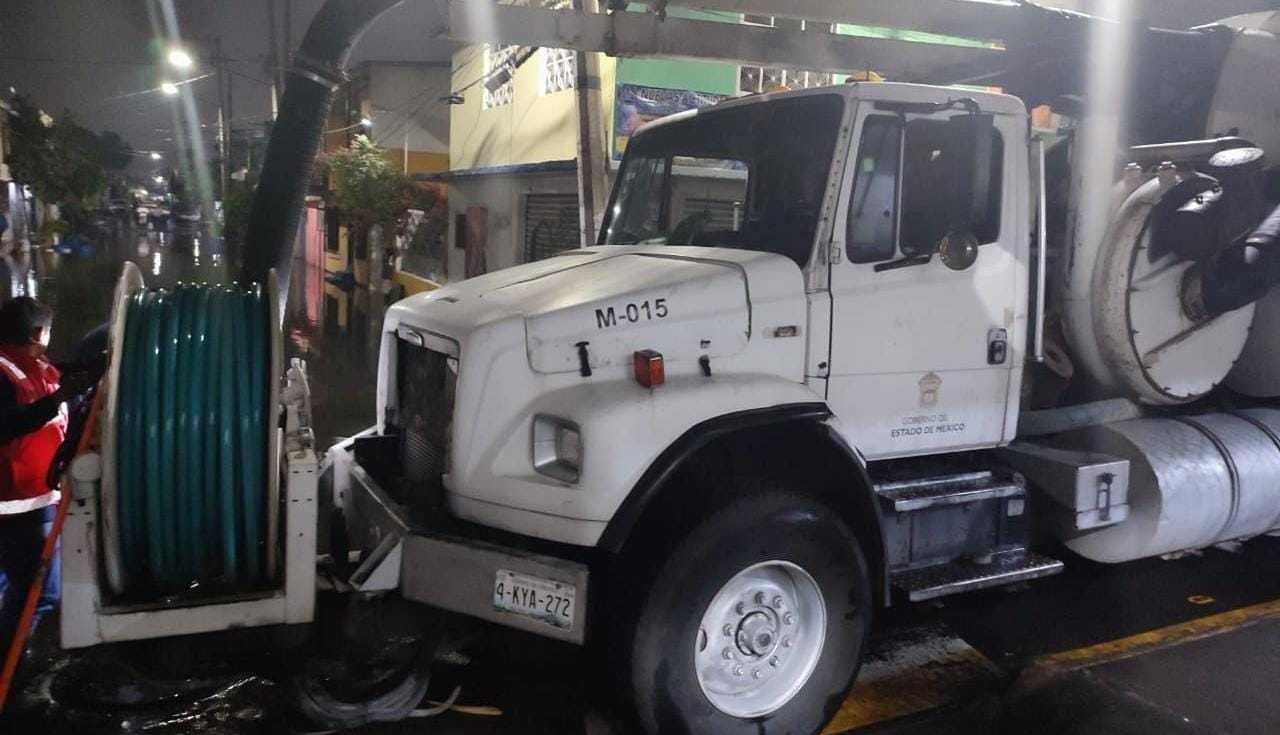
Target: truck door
{"points": [[929, 298]]}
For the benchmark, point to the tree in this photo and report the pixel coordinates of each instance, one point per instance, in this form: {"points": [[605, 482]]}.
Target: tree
{"points": [[116, 153], [365, 184], [370, 191], [61, 161], [235, 208]]}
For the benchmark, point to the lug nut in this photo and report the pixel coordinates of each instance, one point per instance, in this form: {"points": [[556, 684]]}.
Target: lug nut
{"points": [[777, 602], [786, 643], [788, 619], [773, 661], [755, 673], [727, 653], [740, 608], [737, 671], [728, 630], [759, 598]]}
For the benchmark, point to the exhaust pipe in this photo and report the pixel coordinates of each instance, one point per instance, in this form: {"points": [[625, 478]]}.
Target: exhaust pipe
{"points": [[318, 69]]}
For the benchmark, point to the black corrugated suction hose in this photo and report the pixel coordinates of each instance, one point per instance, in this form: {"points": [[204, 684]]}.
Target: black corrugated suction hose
{"points": [[295, 137]]}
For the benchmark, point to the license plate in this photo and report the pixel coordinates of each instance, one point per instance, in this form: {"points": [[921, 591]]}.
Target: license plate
{"points": [[535, 597]]}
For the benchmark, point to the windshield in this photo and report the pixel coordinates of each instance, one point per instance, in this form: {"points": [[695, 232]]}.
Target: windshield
{"points": [[750, 177]]}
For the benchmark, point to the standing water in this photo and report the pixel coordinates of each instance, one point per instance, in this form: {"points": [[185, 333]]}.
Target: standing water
{"points": [[217, 687]]}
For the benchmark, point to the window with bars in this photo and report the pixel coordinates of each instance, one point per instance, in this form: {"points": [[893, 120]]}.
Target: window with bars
{"points": [[495, 58], [755, 79], [559, 69]]}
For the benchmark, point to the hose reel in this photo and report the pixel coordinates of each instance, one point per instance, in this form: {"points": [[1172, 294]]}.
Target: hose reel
{"points": [[190, 490]]}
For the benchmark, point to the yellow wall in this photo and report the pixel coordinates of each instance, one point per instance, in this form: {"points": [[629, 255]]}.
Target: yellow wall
{"points": [[420, 162], [343, 299], [414, 284], [531, 129], [336, 262]]}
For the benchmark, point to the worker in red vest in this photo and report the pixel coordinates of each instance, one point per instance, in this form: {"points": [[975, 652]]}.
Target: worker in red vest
{"points": [[33, 421]]}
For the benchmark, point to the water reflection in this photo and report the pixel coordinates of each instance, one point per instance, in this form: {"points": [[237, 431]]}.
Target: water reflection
{"points": [[335, 330]]}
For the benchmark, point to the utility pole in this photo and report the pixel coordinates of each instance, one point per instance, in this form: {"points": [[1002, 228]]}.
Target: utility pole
{"points": [[593, 171], [224, 117], [286, 58], [273, 58], [230, 117]]}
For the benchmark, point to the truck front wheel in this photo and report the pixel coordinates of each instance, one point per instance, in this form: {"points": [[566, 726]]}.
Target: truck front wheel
{"points": [[755, 622]]}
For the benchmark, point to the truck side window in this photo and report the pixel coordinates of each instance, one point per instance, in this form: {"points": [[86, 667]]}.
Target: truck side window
{"points": [[873, 221], [906, 167], [927, 164]]}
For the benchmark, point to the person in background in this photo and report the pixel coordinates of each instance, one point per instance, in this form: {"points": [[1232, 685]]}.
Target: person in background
{"points": [[33, 422]]}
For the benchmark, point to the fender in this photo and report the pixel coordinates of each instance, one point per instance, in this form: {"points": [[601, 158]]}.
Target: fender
{"points": [[859, 505], [624, 428]]}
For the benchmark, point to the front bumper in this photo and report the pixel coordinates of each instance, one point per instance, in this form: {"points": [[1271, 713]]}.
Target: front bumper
{"points": [[450, 564], [458, 574]]}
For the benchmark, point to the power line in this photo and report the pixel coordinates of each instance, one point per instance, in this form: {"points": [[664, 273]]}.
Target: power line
{"points": [[400, 118], [54, 60], [153, 90], [108, 62], [250, 77], [420, 101]]}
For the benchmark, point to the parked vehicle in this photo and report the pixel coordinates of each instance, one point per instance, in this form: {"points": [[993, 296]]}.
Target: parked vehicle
{"points": [[718, 448]]}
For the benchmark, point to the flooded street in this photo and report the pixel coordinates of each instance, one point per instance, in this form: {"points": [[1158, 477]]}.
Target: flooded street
{"points": [[335, 329], [239, 682]]}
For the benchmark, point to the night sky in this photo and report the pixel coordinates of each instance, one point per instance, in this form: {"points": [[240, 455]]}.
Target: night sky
{"points": [[99, 58]]}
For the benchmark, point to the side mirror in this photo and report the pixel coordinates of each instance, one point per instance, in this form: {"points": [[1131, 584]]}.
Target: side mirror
{"points": [[970, 139]]}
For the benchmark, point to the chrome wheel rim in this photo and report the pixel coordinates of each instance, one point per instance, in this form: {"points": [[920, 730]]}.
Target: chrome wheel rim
{"points": [[760, 639]]}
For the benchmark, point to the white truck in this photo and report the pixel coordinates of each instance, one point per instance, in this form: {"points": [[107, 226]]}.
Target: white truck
{"points": [[715, 446]]}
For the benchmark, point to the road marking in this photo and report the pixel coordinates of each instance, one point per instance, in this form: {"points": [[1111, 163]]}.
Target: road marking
{"points": [[1152, 640], [905, 677], [925, 669]]}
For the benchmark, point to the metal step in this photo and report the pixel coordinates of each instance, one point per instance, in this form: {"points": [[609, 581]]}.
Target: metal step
{"points": [[1006, 567], [968, 487]]}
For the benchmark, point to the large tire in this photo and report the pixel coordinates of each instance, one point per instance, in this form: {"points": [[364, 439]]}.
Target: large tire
{"points": [[760, 548]]}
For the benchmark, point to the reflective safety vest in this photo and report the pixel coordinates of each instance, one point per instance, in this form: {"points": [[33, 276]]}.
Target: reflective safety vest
{"points": [[25, 461]]}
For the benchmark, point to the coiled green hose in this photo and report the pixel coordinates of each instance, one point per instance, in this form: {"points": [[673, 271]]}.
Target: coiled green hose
{"points": [[192, 433]]}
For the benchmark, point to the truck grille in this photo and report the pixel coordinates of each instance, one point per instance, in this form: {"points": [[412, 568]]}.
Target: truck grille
{"points": [[425, 386]]}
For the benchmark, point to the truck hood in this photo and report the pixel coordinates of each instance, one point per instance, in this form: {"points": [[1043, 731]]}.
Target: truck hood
{"points": [[684, 302]]}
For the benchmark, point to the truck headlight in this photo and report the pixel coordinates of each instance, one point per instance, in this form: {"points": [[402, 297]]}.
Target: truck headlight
{"points": [[557, 448]]}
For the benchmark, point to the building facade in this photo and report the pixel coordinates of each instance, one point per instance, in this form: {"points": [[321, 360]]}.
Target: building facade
{"points": [[402, 107], [513, 143]]}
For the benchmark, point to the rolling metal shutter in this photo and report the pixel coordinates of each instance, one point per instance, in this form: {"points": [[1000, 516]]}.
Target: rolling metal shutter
{"points": [[550, 225], [720, 211]]}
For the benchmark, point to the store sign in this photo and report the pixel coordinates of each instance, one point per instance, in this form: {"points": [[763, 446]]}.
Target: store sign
{"points": [[635, 105]]}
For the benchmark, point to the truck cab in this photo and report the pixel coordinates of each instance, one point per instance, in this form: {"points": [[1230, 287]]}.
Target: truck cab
{"points": [[661, 444]]}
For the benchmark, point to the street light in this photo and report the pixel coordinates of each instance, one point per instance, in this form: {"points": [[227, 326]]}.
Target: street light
{"points": [[180, 59], [366, 123], [169, 88], [155, 155]]}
